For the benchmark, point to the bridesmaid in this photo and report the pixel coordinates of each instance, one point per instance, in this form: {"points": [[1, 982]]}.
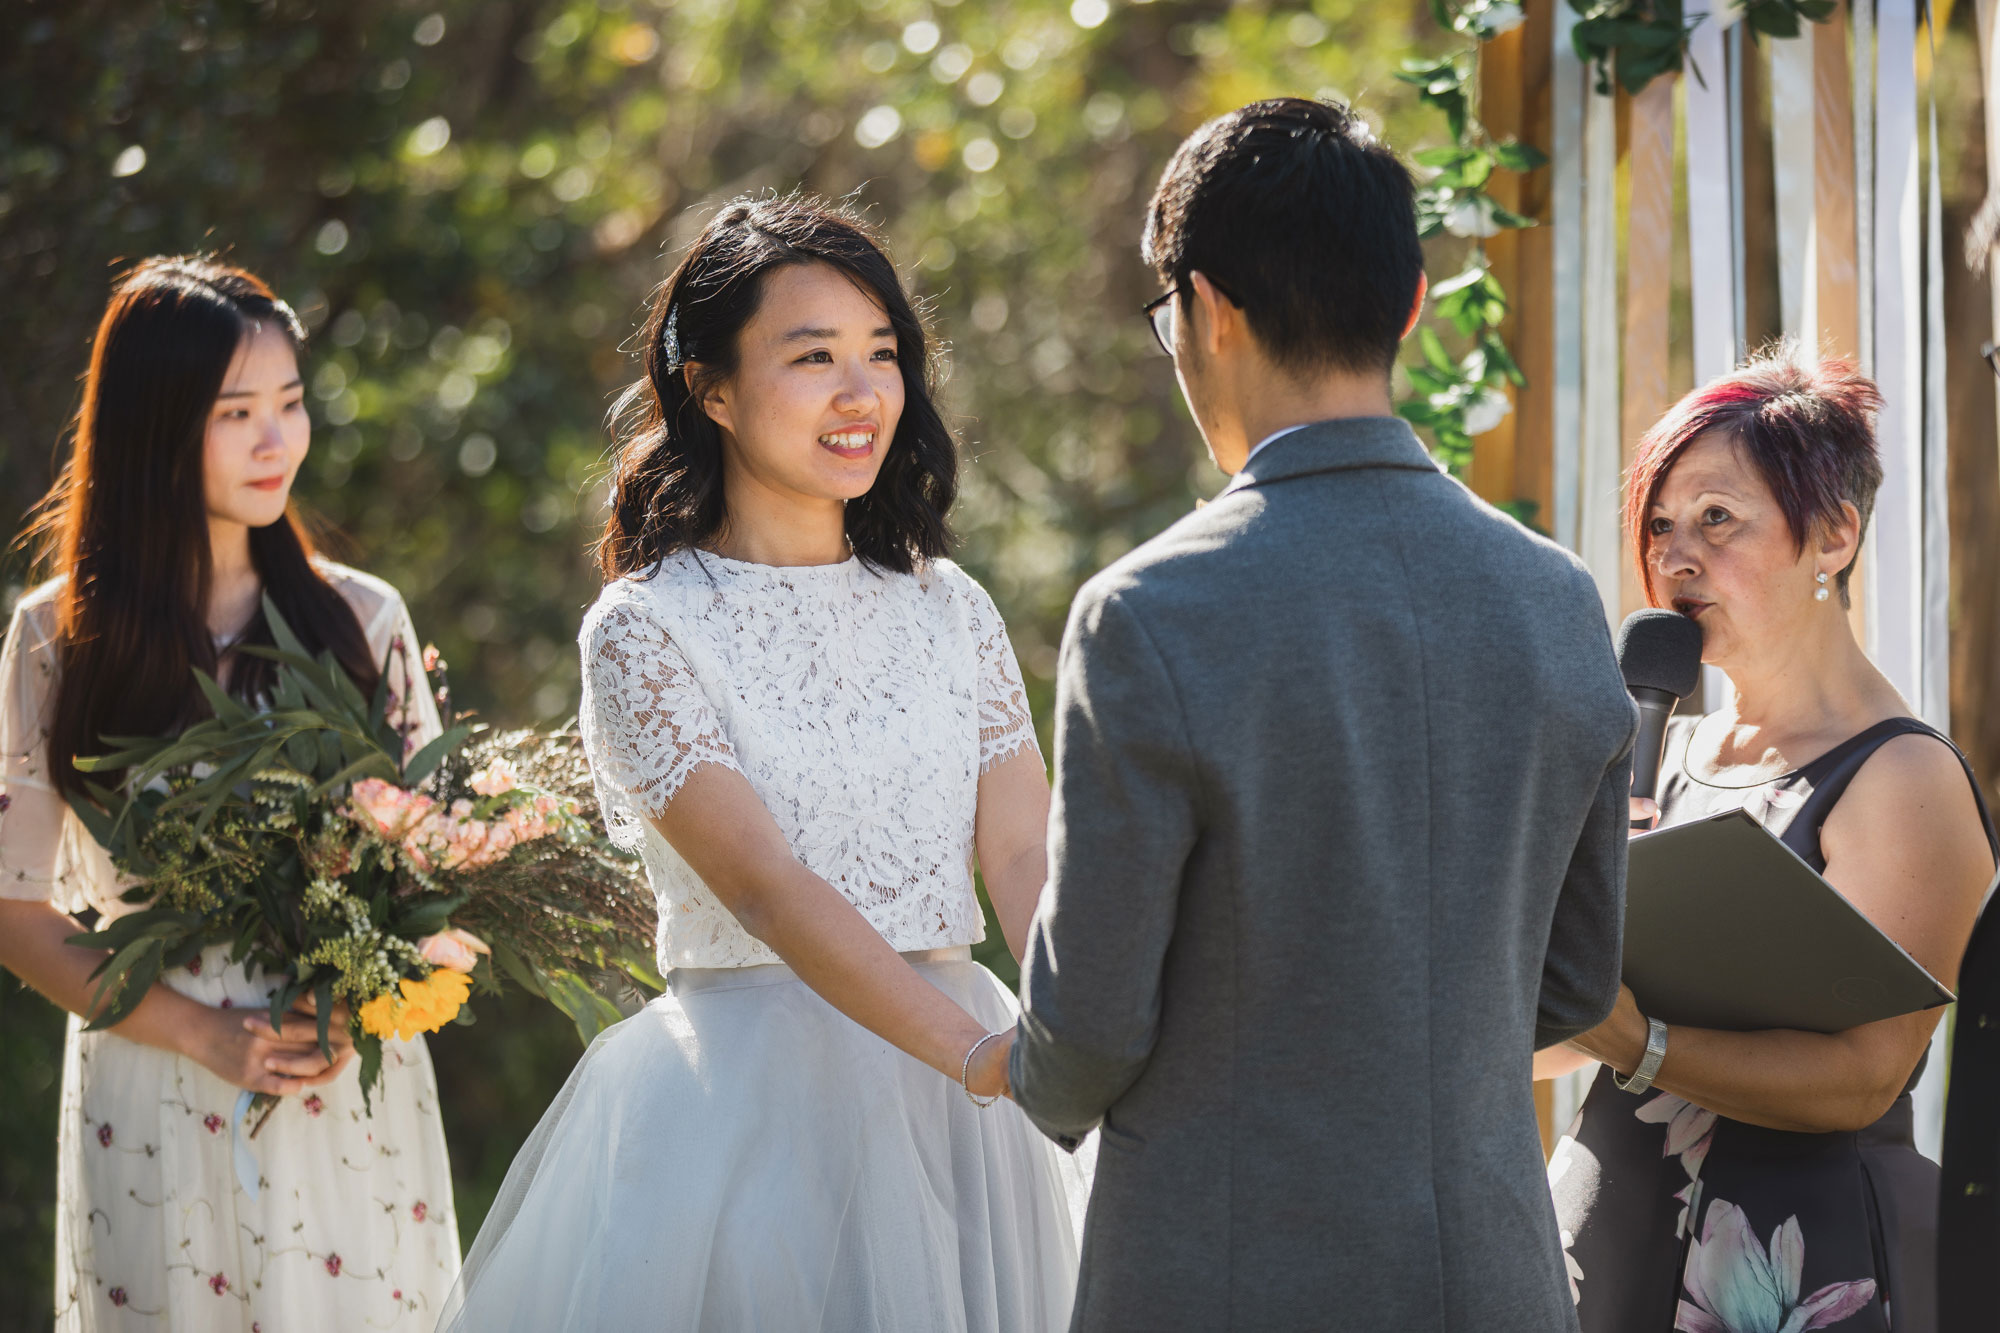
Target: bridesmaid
{"points": [[169, 524], [1768, 1180]]}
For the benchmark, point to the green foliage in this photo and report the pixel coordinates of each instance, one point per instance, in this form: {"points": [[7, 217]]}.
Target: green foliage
{"points": [[1639, 40], [1458, 398]]}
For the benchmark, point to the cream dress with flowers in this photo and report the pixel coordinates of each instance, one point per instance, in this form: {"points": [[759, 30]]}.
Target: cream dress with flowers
{"points": [[352, 1227]]}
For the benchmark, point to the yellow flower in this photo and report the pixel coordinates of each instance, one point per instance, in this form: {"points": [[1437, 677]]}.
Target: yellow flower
{"points": [[424, 1006]]}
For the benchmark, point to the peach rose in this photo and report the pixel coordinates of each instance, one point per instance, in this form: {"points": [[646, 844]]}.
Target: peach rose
{"points": [[496, 779], [386, 810], [456, 949]]}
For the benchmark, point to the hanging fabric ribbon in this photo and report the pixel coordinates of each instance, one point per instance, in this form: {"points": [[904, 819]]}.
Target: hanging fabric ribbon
{"points": [[1600, 455], [1711, 207], [1567, 90], [1793, 121], [1895, 586], [241, 1157]]}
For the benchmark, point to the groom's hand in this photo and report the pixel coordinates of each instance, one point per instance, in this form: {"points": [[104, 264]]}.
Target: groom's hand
{"points": [[988, 1075]]}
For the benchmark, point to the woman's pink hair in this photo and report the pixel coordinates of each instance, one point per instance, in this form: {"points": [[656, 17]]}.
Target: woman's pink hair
{"points": [[1808, 428]]}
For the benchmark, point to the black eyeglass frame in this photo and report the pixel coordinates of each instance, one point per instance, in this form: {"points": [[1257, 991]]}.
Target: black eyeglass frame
{"points": [[1151, 310]]}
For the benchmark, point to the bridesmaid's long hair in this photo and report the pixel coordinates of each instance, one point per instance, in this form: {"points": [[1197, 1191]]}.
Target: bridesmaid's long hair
{"points": [[667, 481], [126, 527]]}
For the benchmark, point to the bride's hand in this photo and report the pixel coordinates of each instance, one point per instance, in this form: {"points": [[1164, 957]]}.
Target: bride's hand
{"points": [[988, 1075], [1647, 811]]}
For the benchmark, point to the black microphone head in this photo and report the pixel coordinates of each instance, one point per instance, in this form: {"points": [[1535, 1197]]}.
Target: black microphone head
{"points": [[1660, 650]]}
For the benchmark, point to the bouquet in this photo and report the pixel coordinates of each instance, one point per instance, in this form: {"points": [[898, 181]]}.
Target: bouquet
{"points": [[306, 836]]}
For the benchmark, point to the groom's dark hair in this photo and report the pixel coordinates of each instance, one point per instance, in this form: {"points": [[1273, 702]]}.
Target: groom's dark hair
{"points": [[1301, 218]]}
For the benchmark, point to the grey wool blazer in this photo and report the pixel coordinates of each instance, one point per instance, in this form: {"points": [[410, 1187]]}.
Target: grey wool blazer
{"points": [[1339, 834]]}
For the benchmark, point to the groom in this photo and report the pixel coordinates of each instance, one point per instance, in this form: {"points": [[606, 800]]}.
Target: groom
{"points": [[1339, 834]]}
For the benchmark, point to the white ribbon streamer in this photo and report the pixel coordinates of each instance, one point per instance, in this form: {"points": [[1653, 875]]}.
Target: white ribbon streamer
{"points": [[239, 1147], [1793, 158], [1601, 455], [1895, 588], [1567, 77]]}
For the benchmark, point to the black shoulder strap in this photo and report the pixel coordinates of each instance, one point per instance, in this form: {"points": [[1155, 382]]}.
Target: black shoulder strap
{"points": [[1832, 772]]}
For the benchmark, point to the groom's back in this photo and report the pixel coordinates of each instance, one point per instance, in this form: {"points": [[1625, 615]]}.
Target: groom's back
{"points": [[1399, 709]]}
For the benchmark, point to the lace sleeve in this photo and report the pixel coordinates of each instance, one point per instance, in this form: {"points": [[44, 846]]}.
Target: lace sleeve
{"points": [[31, 813], [646, 723], [1006, 727]]}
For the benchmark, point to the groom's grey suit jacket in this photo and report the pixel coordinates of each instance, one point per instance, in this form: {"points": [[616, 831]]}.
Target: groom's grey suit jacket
{"points": [[1339, 840]]}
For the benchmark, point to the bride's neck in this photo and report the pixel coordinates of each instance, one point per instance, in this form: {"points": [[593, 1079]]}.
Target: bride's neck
{"points": [[766, 527], [234, 587]]}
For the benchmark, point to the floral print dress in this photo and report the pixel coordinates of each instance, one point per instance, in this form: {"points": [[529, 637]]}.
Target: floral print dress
{"points": [[351, 1226], [1676, 1218]]}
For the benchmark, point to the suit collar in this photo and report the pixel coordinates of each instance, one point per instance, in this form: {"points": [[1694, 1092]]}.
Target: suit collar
{"points": [[1344, 444]]}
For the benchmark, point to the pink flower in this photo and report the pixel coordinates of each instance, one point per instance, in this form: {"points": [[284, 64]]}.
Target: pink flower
{"points": [[1690, 1129], [5, 801], [1739, 1287], [456, 949], [104, 1136], [431, 658], [313, 1104], [212, 1123], [386, 810], [417, 1210], [496, 779], [194, 967], [333, 1265], [117, 1296], [218, 1284], [397, 1294], [228, 1003]]}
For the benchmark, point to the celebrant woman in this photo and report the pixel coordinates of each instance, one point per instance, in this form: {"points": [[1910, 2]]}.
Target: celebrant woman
{"points": [[1739, 1182], [809, 723], [170, 524]]}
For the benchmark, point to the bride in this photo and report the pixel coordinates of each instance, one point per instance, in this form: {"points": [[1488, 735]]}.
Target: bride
{"points": [[807, 720]]}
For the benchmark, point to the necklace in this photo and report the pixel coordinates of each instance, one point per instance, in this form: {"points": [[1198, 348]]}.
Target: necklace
{"points": [[1687, 767]]}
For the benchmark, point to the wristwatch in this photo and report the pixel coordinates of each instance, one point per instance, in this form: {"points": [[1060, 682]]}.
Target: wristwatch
{"points": [[1649, 1064]]}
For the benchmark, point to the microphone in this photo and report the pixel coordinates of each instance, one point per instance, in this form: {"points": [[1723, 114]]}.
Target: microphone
{"points": [[1659, 653]]}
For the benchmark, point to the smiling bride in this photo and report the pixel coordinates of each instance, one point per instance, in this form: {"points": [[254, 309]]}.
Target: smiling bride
{"points": [[809, 723]]}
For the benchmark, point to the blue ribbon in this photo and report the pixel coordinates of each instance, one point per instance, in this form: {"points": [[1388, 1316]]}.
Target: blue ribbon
{"points": [[246, 1165]]}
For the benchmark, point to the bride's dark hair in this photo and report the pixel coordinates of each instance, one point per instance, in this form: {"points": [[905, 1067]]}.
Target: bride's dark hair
{"points": [[668, 476], [125, 525]]}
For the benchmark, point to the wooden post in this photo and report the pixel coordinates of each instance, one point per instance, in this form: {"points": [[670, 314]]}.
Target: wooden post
{"points": [[1649, 256]]}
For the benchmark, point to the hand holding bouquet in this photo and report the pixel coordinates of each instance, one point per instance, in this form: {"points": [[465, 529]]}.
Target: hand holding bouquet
{"points": [[306, 836]]}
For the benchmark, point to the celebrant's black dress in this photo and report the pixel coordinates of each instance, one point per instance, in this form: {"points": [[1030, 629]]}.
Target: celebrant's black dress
{"points": [[1673, 1217]]}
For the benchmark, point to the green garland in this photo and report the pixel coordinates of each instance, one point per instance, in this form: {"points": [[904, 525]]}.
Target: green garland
{"points": [[1636, 41], [1457, 398], [1639, 40]]}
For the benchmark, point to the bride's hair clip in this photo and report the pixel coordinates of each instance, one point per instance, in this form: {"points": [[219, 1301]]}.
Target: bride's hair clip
{"points": [[670, 339]]}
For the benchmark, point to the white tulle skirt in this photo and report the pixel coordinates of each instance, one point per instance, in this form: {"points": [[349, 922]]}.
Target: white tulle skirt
{"points": [[740, 1156]]}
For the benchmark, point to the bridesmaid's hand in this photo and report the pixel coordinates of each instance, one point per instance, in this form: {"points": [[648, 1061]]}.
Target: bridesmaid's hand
{"points": [[241, 1049], [988, 1075]]}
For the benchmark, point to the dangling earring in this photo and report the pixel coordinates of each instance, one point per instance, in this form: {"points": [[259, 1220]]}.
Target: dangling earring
{"points": [[1821, 594]]}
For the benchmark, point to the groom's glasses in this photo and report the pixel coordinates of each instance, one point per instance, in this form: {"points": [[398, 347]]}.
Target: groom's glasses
{"points": [[1159, 313]]}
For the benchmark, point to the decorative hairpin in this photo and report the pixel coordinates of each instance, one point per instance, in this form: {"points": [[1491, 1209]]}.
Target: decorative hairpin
{"points": [[670, 339]]}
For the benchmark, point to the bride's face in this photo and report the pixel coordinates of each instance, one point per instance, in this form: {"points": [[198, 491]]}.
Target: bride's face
{"points": [[817, 391]]}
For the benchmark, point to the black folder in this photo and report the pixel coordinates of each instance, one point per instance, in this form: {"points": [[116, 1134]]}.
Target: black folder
{"points": [[1725, 927]]}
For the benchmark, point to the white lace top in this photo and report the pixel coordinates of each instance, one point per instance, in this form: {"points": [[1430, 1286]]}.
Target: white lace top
{"points": [[862, 706]]}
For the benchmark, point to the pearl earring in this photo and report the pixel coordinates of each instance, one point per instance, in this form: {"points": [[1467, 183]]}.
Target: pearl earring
{"points": [[1821, 594]]}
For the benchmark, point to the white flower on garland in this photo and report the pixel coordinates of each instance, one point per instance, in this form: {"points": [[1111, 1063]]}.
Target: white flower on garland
{"points": [[1485, 411], [1471, 215], [1499, 17]]}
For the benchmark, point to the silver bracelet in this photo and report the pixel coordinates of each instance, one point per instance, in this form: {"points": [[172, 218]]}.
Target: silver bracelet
{"points": [[1649, 1064], [965, 1072]]}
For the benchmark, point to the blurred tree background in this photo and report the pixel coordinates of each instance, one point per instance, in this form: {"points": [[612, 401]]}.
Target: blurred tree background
{"points": [[469, 203]]}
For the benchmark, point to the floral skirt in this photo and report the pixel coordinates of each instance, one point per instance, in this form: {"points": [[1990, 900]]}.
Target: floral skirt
{"points": [[1675, 1218], [352, 1227], [740, 1156]]}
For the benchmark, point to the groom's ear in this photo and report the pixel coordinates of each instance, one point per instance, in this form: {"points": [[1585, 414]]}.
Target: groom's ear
{"points": [[1417, 306], [1217, 321]]}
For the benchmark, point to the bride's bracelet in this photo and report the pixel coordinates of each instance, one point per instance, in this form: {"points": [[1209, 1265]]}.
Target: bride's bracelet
{"points": [[965, 1072]]}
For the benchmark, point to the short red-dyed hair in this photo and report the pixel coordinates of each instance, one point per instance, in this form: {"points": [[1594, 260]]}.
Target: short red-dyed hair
{"points": [[1808, 428]]}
